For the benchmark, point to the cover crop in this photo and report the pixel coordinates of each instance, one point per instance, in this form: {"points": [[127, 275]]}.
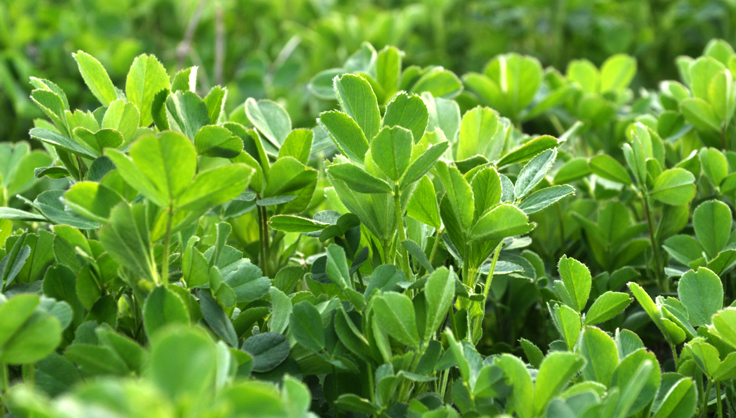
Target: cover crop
{"points": [[415, 254]]}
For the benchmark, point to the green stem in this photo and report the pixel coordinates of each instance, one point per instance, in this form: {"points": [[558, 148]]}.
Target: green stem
{"points": [[435, 245], [706, 396], [167, 239], [490, 273], [663, 283], [674, 354], [402, 233], [360, 285], [557, 125], [32, 375], [417, 357], [406, 385], [466, 272], [720, 401], [472, 397], [387, 259], [82, 173], [261, 251], [443, 384], [486, 289], [264, 221]]}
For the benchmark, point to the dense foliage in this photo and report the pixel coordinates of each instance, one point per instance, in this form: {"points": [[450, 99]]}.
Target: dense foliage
{"points": [[165, 257], [271, 48]]}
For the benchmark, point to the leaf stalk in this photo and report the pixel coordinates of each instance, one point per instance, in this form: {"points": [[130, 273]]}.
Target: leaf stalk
{"points": [[661, 280], [402, 233], [167, 243]]}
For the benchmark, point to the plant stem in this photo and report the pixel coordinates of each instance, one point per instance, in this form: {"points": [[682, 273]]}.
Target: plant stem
{"points": [[82, 174], [706, 395], [264, 225], [32, 375], [720, 401], [496, 253], [167, 242], [261, 251], [486, 290], [436, 245], [265, 228], [402, 233], [663, 283], [466, 272], [386, 252], [557, 125], [443, 384], [674, 354]]}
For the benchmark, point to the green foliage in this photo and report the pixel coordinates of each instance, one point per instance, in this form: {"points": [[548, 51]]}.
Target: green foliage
{"points": [[414, 253]]}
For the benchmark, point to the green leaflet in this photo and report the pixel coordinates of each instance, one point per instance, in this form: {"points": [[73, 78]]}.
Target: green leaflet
{"points": [[358, 179], [712, 223], [477, 134], [423, 204], [607, 306], [577, 280], [146, 77], [346, 134], [701, 292], [438, 292], [186, 113], [674, 187], [126, 238], [183, 362], [607, 167], [391, 151], [554, 373], [163, 307], [270, 119], [533, 173], [396, 316], [161, 168], [358, 101], [306, 326], [197, 248], [28, 333], [214, 141], [214, 187], [95, 77], [407, 111]]}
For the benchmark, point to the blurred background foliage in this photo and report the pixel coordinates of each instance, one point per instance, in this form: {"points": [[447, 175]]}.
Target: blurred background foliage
{"points": [[271, 48]]}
